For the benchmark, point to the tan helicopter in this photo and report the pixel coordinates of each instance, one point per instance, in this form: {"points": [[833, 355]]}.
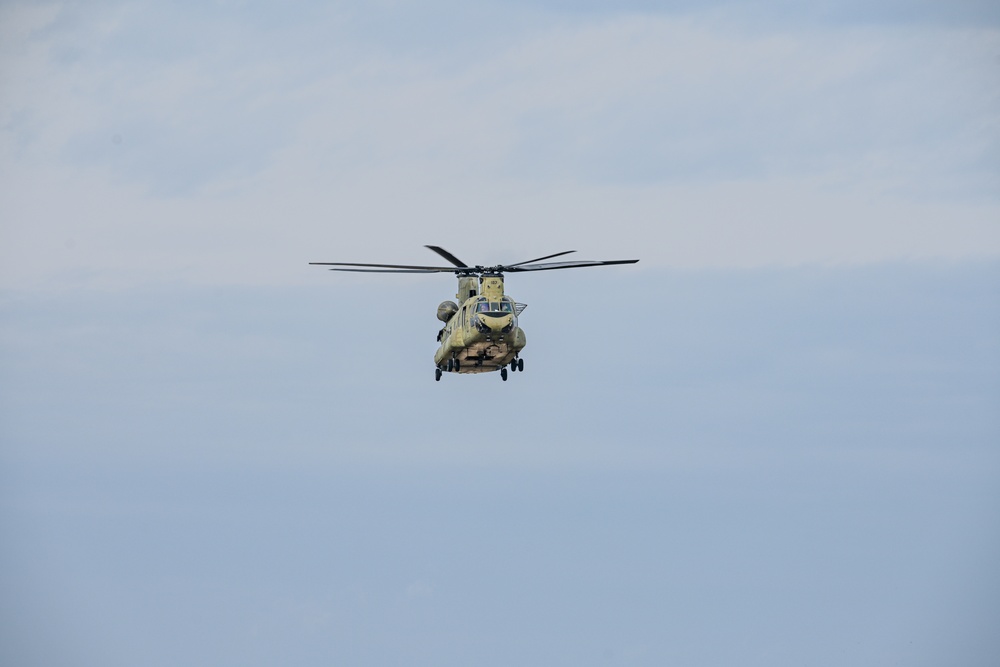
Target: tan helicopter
{"points": [[481, 334]]}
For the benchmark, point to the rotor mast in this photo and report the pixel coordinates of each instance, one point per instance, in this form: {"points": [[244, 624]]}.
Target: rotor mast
{"points": [[468, 287], [484, 281]]}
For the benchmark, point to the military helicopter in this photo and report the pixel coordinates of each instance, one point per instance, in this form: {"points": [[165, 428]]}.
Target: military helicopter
{"points": [[480, 332]]}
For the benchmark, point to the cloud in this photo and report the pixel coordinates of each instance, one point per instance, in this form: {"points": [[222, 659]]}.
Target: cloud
{"points": [[143, 144]]}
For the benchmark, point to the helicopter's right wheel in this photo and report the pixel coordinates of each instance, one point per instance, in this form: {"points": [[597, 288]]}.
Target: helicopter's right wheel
{"points": [[458, 365], [451, 365], [513, 365], [437, 374], [503, 374], [520, 365]]}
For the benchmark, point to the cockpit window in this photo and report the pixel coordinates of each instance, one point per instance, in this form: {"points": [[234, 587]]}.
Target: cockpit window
{"points": [[495, 308]]}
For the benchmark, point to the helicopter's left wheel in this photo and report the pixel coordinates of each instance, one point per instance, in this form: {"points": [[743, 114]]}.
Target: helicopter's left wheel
{"points": [[437, 374], [520, 364], [503, 374]]}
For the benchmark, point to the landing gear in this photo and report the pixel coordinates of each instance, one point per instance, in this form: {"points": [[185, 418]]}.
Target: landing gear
{"points": [[520, 365], [503, 374], [437, 374], [451, 365], [458, 365], [513, 365], [517, 364]]}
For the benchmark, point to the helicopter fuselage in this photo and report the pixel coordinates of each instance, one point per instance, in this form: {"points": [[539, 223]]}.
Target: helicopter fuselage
{"points": [[482, 334]]}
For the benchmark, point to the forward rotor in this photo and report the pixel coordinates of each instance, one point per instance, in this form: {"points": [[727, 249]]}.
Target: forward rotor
{"points": [[461, 268]]}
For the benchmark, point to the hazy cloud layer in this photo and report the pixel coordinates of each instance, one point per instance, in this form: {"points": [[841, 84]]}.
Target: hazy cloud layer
{"points": [[136, 135]]}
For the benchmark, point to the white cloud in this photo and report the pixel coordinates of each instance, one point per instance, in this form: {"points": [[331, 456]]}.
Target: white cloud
{"points": [[247, 149]]}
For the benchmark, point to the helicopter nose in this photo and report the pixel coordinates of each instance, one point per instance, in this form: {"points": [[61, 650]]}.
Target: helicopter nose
{"points": [[497, 323]]}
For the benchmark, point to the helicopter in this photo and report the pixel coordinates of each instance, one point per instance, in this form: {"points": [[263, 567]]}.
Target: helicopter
{"points": [[480, 332]]}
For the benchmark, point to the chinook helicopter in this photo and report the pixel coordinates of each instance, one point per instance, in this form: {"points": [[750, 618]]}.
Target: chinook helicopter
{"points": [[480, 332]]}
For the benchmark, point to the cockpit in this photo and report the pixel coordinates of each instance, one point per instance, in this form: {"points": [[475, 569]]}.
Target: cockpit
{"points": [[494, 308]]}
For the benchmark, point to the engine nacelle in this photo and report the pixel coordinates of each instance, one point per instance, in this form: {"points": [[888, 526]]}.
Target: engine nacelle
{"points": [[447, 310]]}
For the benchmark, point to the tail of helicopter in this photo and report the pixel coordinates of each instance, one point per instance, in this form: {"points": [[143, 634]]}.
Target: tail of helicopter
{"points": [[480, 332]]}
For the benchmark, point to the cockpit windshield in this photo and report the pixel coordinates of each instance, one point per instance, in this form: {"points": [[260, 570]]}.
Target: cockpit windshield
{"points": [[494, 307]]}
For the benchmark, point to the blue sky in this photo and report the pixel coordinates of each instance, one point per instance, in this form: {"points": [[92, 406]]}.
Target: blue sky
{"points": [[772, 441]]}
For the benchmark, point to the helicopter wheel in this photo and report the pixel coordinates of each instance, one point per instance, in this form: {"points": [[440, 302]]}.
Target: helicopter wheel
{"points": [[451, 365], [458, 365], [520, 365], [513, 365], [437, 374], [503, 374]]}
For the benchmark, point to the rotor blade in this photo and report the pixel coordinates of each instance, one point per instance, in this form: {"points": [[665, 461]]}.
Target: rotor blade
{"points": [[566, 265], [532, 261], [448, 256], [386, 266], [394, 270]]}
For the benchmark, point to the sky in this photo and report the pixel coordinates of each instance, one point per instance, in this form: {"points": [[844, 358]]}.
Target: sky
{"points": [[774, 440]]}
